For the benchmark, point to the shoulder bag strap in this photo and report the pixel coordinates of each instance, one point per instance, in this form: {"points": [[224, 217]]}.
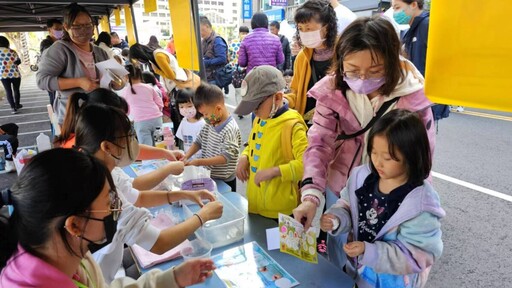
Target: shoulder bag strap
{"points": [[377, 116]]}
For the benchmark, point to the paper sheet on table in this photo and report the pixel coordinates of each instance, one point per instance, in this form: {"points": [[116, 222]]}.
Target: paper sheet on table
{"points": [[273, 238], [110, 65], [147, 259]]}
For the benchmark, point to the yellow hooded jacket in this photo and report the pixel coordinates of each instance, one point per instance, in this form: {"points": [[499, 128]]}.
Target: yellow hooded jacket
{"points": [[278, 195]]}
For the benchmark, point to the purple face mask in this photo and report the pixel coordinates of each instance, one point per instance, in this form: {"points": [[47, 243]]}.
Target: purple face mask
{"points": [[365, 86]]}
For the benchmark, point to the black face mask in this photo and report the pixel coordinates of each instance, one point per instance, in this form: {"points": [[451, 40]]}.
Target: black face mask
{"points": [[110, 230]]}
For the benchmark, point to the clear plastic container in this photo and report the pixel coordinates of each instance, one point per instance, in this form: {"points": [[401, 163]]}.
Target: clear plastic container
{"points": [[198, 249], [223, 231]]}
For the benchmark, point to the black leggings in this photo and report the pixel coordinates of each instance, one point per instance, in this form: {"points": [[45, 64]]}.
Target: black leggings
{"points": [[15, 89]]}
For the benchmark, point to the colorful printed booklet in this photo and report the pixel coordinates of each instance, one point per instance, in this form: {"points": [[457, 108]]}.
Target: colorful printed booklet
{"points": [[250, 266], [294, 241]]}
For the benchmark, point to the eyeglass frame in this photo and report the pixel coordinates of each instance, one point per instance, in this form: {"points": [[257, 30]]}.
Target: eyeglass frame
{"points": [[365, 75], [115, 208], [82, 27]]}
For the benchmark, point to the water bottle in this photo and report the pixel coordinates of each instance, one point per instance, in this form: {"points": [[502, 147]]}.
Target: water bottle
{"points": [[43, 142], [158, 137], [168, 138]]}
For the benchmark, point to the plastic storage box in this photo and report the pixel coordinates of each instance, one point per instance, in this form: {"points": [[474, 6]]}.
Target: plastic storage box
{"points": [[223, 231]]}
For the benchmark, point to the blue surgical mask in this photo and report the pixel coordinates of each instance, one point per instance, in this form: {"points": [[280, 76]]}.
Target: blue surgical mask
{"points": [[401, 18]]}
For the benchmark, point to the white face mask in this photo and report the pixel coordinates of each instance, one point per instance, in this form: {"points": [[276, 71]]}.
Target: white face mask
{"points": [[312, 39], [129, 154], [274, 109], [189, 112]]}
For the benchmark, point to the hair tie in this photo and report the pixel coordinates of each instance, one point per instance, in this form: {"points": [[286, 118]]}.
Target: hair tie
{"points": [[6, 196]]}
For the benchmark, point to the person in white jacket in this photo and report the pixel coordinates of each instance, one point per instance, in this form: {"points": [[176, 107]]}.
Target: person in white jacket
{"points": [[106, 133]]}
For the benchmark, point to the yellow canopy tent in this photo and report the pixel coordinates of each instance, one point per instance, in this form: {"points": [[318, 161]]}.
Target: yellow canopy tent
{"points": [[469, 54]]}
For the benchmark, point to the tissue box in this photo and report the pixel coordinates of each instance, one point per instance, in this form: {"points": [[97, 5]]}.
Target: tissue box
{"points": [[223, 231], [198, 184]]}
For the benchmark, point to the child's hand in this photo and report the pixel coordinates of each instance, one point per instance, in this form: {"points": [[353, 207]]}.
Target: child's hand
{"points": [[193, 162], [176, 167], [212, 210], [173, 155], [266, 174], [326, 222], [197, 196], [354, 249], [242, 168]]}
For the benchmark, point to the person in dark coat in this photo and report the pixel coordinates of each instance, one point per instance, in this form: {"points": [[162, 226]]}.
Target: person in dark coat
{"points": [[274, 29]]}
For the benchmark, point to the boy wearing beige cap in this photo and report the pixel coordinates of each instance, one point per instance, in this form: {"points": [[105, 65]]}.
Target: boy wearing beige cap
{"points": [[272, 162]]}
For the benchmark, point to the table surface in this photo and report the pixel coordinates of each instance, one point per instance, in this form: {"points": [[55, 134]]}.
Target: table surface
{"points": [[323, 274]]}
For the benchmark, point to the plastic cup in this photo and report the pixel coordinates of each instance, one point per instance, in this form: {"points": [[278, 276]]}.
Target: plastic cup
{"points": [[198, 249]]}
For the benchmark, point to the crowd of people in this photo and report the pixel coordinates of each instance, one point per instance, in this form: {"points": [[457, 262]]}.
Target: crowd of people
{"points": [[342, 139]]}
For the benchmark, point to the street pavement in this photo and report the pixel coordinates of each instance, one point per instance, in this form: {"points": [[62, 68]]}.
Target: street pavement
{"points": [[473, 148]]}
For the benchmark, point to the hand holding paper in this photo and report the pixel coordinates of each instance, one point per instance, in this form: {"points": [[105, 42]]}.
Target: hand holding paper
{"points": [[111, 71]]}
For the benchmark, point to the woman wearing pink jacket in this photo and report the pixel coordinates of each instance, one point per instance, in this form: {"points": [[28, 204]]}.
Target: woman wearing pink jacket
{"points": [[368, 78]]}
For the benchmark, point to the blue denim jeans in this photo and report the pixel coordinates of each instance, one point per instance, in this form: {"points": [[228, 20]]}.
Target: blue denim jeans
{"points": [[335, 252], [145, 130]]}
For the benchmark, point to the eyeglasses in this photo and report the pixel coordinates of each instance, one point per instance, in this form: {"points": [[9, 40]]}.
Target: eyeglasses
{"points": [[371, 75], [115, 207], [131, 134], [82, 26]]}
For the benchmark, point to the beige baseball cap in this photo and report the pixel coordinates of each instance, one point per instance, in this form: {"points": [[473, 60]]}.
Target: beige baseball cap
{"points": [[261, 82]]}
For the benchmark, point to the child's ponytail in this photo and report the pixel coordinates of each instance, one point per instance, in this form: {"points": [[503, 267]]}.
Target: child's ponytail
{"points": [[135, 74], [68, 127]]}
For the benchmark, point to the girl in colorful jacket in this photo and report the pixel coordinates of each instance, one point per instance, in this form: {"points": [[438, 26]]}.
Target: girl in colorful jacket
{"points": [[367, 72], [391, 213]]}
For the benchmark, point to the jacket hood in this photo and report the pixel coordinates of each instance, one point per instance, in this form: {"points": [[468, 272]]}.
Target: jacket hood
{"points": [[27, 270]]}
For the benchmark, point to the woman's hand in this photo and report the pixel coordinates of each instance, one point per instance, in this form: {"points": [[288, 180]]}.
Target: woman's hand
{"points": [[354, 249], [87, 84], [212, 210], [305, 213], [266, 175], [199, 195], [193, 271], [242, 168]]}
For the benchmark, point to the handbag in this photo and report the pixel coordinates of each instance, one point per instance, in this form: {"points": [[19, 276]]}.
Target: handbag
{"points": [[238, 76], [224, 75]]}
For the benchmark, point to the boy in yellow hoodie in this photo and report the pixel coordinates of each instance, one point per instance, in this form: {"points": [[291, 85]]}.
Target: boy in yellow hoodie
{"points": [[272, 162]]}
